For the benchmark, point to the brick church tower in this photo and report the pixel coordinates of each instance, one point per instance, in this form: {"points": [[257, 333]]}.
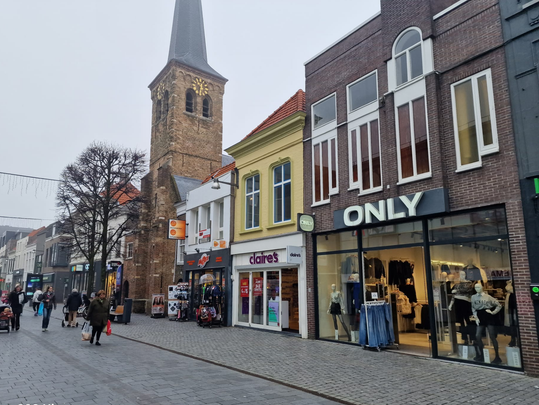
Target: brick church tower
{"points": [[186, 145]]}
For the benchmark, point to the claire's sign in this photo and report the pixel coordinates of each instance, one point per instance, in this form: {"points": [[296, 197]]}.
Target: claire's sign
{"points": [[407, 206], [263, 259]]}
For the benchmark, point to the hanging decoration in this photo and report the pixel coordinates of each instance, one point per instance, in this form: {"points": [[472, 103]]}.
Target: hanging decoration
{"points": [[13, 182]]}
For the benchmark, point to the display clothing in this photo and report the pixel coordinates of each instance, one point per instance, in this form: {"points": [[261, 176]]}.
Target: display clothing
{"points": [[374, 268], [464, 289], [409, 291], [335, 308], [399, 271], [463, 312], [484, 301], [376, 326], [350, 265]]}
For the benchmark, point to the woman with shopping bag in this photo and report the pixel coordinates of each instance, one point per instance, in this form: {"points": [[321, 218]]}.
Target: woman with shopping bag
{"points": [[98, 315]]}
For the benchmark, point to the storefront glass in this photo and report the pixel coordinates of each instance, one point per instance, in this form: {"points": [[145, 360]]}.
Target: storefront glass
{"points": [[337, 241], [476, 314], [392, 235]]}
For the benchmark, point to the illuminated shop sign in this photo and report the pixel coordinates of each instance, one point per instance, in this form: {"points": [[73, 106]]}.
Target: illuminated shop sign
{"points": [[263, 259]]}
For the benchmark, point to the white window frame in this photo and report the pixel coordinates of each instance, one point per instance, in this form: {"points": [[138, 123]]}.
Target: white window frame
{"points": [[221, 220], [483, 149], [281, 185], [408, 59], [129, 250], [333, 188], [180, 246], [366, 108], [253, 193], [327, 126], [355, 126]]}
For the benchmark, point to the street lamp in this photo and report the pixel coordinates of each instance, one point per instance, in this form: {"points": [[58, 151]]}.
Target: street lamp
{"points": [[217, 183]]}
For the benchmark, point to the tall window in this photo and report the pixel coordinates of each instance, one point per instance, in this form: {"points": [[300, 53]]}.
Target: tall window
{"points": [[413, 139], [282, 183], [158, 110], [129, 250], [408, 57], [362, 92], [165, 103], [221, 220], [252, 202], [189, 102], [325, 169], [206, 108], [324, 112], [365, 160], [474, 119], [180, 251]]}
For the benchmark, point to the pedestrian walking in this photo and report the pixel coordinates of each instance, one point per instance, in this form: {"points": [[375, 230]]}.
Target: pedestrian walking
{"points": [[36, 300], [17, 298], [74, 301], [98, 315], [49, 301]]}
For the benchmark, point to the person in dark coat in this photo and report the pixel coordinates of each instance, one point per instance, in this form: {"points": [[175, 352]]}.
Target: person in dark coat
{"points": [[49, 301], [74, 301], [98, 315], [17, 298]]}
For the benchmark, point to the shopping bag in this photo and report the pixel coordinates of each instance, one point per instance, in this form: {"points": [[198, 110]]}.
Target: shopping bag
{"points": [[40, 310], [109, 330], [86, 331]]}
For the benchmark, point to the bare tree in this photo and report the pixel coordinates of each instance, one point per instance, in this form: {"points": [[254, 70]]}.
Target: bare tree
{"points": [[98, 201]]}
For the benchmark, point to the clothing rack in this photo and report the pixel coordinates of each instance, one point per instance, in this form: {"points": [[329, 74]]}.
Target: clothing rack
{"points": [[369, 305]]}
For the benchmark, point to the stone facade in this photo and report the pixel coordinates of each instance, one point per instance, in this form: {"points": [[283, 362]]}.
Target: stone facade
{"points": [[465, 40]]}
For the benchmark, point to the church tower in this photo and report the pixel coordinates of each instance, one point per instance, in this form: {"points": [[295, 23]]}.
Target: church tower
{"points": [[186, 145], [187, 96]]}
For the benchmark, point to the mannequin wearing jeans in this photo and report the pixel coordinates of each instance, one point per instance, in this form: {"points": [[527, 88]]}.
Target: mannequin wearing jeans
{"points": [[336, 309], [461, 302], [484, 308]]}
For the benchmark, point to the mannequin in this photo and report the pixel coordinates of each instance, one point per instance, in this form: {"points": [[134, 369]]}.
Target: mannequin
{"points": [[510, 318], [354, 295], [337, 309], [461, 301], [484, 308]]}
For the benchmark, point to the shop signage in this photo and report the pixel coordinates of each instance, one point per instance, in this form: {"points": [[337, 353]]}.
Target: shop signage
{"points": [[273, 313], [244, 287], [77, 267], [407, 206], [216, 259], [158, 304], [119, 277], [263, 259], [305, 223], [203, 261], [47, 278], [258, 283], [17, 272], [221, 244], [176, 229], [204, 233], [294, 255]]}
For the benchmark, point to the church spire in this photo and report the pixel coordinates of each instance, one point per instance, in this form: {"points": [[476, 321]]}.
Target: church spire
{"points": [[188, 43]]}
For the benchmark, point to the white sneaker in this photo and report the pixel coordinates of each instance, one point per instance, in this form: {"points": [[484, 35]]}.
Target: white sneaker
{"points": [[44, 330]]}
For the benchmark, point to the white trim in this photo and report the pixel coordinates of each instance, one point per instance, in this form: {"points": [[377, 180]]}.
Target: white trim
{"points": [[448, 9], [418, 177], [327, 126], [344, 37], [366, 108], [333, 188], [482, 149], [253, 193], [281, 185], [531, 3]]}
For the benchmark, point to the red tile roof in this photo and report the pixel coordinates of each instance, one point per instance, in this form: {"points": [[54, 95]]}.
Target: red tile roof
{"points": [[293, 105], [125, 195], [35, 232], [219, 172]]}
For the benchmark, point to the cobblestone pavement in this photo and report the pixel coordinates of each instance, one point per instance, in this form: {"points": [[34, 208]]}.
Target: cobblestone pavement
{"points": [[345, 373], [57, 367]]}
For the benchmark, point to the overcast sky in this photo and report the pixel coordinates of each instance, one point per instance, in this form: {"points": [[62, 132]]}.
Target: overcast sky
{"points": [[72, 72]]}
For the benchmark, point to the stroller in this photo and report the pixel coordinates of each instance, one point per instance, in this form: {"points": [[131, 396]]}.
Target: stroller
{"points": [[5, 317], [81, 313]]}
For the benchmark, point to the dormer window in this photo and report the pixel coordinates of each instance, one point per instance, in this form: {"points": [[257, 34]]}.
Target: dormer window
{"points": [[408, 56]]}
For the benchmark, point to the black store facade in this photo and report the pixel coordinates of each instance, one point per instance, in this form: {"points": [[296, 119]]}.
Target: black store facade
{"points": [[216, 264], [436, 271]]}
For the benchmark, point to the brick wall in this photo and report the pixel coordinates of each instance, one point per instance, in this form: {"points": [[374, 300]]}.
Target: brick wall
{"points": [[466, 41]]}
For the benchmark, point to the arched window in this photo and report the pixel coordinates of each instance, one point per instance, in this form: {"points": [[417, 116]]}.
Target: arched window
{"points": [[158, 110], [408, 56], [206, 110], [165, 104], [189, 102]]}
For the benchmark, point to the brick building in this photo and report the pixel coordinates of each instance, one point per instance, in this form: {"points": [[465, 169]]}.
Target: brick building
{"points": [[415, 187], [186, 142]]}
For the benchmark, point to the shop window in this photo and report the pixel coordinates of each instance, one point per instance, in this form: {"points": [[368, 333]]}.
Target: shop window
{"points": [[362, 92], [335, 242], [413, 145], [474, 119], [324, 112], [252, 202], [364, 156], [282, 192], [393, 235], [477, 224], [408, 56], [325, 170], [129, 253]]}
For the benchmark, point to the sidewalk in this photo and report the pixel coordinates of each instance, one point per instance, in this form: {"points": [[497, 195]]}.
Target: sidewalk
{"points": [[343, 372]]}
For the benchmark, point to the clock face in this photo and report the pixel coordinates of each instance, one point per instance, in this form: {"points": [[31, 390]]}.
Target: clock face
{"points": [[160, 91], [200, 87]]}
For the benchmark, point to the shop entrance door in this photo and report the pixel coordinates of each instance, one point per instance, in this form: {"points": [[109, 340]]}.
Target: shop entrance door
{"points": [[398, 276], [259, 299], [198, 289]]}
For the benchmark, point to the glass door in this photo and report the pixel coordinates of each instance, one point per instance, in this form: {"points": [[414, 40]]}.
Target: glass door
{"points": [[259, 299]]}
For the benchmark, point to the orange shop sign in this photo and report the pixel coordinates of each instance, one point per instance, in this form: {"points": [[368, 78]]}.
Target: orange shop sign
{"points": [[176, 229]]}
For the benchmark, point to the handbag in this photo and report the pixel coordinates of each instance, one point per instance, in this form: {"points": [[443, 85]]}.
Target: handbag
{"points": [[109, 330], [40, 310], [86, 332]]}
